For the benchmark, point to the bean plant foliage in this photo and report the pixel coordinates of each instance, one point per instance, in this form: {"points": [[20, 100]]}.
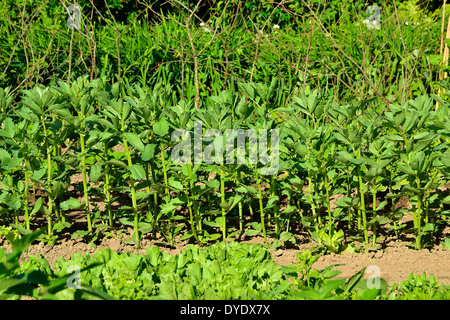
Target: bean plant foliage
{"points": [[123, 147]]}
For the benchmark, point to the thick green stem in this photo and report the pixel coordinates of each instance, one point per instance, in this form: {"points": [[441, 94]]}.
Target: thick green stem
{"points": [[193, 212], [427, 196], [222, 193], [349, 213], [155, 195], [311, 194], [26, 195], [108, 200], [418, 216], [261, 209], [363, 207], [195, 204], [163, 161], [85, 186], [330, 229], [50, 197], [299, 208], [250, 208], [147, 190], [133, 192], [417, 222], [191, 218], [167, 195], [107, 191], [275, 212], [49, 178], [241, 218], [374, 206]]}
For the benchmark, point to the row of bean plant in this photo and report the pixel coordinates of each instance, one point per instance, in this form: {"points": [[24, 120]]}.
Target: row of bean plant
{"points": [[341, 168]]}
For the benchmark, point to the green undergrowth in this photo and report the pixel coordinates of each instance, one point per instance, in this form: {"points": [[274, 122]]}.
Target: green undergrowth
{"points": [[223, 271]]}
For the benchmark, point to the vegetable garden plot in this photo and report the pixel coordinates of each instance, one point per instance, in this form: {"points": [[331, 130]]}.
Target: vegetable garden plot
{"points": [[203, 125], [122, 140]]}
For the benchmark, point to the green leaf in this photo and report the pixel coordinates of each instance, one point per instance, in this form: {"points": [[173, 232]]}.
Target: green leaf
{"points": [[406, 169], [61, 112], [248, 89], [126, 111], [393, 137], [435, 59], [22, 244], [194, 273], [9, 163], [148, 152], [287, 236], [95, 173], [244, 109], [161, 128], [84, 104], [71, 204], [446, 244], [300, 148], [357, 161], [134, 140], [106, 124], [423, 135], [429, 227], [410, 122], [184, 118], [11, 201], [171, 206], [138, 172], [373, 172], [213, 183], [353, 281], [126, 222], [37, 206], [74, 121], [116, 163], [7, 285], [33, 106], [9, 128], [251, 232], [175, 183]]}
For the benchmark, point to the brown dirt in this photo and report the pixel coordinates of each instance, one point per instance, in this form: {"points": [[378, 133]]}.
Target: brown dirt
{"points": [[395, 262], [68, 247]]}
